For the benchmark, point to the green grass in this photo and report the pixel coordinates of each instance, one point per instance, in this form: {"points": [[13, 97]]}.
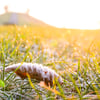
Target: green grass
{"points": [[74, 54]]}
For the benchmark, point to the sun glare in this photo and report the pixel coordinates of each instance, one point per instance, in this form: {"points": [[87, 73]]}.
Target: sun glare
{"points": [[80, 14]]}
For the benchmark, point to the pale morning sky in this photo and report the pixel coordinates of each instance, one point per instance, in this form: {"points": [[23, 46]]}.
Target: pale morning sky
{"points": [[83, 14]]}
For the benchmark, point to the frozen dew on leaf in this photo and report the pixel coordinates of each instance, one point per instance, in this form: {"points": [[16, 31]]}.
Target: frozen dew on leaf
{"points": [[36, 71]]}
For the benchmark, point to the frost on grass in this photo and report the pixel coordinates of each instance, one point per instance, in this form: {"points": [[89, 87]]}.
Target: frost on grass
{"points": [[36, 71]]}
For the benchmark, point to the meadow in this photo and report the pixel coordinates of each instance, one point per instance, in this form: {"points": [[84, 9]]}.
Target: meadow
{"points": [[73, 54]]}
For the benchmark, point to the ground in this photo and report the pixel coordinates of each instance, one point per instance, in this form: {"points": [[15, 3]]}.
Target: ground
{"points": [[73, 54]]}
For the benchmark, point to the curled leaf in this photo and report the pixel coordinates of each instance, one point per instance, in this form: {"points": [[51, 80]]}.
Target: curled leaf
{"points": [[35, 71]]}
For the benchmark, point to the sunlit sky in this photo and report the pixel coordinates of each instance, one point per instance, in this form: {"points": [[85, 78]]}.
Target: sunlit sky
{"points": [[82, 14]]}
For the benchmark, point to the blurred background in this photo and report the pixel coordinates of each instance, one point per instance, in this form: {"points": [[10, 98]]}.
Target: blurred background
{"points": [[74, 14], [63, 35]]}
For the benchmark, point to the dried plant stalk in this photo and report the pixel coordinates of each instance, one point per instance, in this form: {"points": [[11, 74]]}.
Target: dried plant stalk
{"points": [[36, 71]]}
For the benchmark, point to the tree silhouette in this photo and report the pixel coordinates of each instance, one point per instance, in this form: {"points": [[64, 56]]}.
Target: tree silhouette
{"points": [[6, 9], [27, 12]]}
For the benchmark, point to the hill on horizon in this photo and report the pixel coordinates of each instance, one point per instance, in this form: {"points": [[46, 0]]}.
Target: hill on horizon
{"points": [[13, 18]]}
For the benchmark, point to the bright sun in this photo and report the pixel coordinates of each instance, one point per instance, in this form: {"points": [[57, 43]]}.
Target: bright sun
{"points": [[81, 14]]}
